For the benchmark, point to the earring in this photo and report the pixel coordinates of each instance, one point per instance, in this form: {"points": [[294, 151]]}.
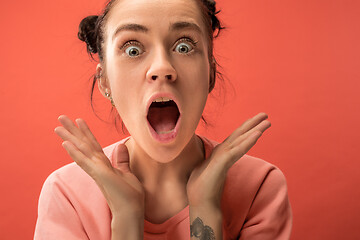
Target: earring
{"points": [[111, 100]]}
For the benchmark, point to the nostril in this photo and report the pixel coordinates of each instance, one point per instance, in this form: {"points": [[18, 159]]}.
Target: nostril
{"points": [[167, 77]]}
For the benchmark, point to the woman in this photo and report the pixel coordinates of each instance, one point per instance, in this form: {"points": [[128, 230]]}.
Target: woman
{"points": [[163, 182]]}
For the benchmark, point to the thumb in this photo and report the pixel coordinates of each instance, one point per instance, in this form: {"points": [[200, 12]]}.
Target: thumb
{"points": [[120, 158]]}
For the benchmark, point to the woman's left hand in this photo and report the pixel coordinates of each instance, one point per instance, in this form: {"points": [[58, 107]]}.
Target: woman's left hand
{"points": [[205, 185]]}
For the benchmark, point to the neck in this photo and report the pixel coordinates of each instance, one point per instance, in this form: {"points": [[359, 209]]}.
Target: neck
{"points": [[153, 174]]}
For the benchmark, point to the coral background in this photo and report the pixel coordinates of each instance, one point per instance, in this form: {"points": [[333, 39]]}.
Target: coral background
{"points": [[298, 61]]}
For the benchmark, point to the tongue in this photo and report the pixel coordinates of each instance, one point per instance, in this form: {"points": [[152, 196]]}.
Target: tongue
{"points": [[163, 119]]}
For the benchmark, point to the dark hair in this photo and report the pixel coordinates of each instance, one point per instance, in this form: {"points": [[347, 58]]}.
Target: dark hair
{"points": [[91, 31]]}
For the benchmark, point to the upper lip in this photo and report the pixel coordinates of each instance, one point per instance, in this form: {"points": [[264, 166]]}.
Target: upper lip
{"points": [[161, 94]]}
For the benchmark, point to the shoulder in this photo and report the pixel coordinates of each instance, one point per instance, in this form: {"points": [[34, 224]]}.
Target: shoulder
{"points": [[250, 168], [71, 179], [71, 205], [249, 173], [255, 171], [255, 194]]}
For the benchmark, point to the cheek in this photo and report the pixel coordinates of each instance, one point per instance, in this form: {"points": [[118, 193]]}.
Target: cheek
{"points": [[125, 88], [197, 77], [194, 80]]}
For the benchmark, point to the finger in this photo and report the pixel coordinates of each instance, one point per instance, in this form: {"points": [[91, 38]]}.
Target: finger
{"points": [[246, 126], [231, 136], [261, 127], [86, 131], [70, 126], [240, 150], [67, 136], [120, 158], [79, 157]]}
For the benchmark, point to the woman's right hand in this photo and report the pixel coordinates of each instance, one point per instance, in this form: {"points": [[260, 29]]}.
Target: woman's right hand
{"points": [[122, 190]]}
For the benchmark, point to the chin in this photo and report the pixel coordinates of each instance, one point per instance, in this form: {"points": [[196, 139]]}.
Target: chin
{"points": [[167, 148], [166, 153]]}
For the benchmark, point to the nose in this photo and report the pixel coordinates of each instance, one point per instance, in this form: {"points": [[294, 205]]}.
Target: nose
{"points": [[161, 68]]}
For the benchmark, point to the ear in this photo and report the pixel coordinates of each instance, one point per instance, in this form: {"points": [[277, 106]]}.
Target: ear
{"points": [[212, 75], [103, 83]]}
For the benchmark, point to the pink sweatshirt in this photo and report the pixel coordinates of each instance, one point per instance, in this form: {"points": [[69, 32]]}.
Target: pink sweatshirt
{"points": [[255, 205]]}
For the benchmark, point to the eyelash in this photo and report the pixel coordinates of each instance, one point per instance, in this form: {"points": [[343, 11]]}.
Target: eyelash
{"points": [[130, 42], [187, 39], [184, 38]]}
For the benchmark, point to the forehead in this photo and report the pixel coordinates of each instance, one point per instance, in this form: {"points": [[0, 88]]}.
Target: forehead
{"points": [[153, 13]]}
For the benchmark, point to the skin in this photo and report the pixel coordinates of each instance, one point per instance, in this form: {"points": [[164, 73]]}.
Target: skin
{"points": [[162, 168], [148, 174], [189, 83]]}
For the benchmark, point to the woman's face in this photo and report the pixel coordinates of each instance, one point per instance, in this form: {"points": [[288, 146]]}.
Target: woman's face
{"points": [[158, 49]]}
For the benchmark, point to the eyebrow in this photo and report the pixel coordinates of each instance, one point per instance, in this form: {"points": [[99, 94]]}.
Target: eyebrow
{"points": [[130, 27], [184, 25], [140, 28]]}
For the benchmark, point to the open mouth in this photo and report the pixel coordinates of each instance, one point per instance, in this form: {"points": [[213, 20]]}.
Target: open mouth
{"points": [[163, 116]]}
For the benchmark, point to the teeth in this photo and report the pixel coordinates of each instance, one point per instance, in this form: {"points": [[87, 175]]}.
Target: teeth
{"points": [[165, 132], [162, 99]]}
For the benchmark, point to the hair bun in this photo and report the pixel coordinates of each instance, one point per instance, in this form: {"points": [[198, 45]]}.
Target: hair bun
{"points": [[87, 32], [215, 23]]}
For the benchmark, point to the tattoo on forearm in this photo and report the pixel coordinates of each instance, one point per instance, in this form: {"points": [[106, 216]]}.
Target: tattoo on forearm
{"points": [[198, 230]]}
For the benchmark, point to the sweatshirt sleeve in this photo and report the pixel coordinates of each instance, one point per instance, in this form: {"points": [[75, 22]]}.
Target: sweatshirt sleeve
{"points": [[270, 215], [57, 218]]}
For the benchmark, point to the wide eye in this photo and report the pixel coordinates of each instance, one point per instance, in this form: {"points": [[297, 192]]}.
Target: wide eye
{"points": [[183, 47], [133, 51]]}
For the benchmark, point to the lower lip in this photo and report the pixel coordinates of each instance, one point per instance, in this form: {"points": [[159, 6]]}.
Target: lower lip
{"points": [[165, 137]]}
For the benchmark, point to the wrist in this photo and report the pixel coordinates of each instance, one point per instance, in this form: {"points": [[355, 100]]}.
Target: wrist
{"points": [[211, 205], [127, 226], [205, 220], [128, 215], [206, 209], [129, 211]]}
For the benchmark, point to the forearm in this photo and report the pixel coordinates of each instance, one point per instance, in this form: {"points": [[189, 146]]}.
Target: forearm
{"points": [[205, 223], [129, 228]]}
